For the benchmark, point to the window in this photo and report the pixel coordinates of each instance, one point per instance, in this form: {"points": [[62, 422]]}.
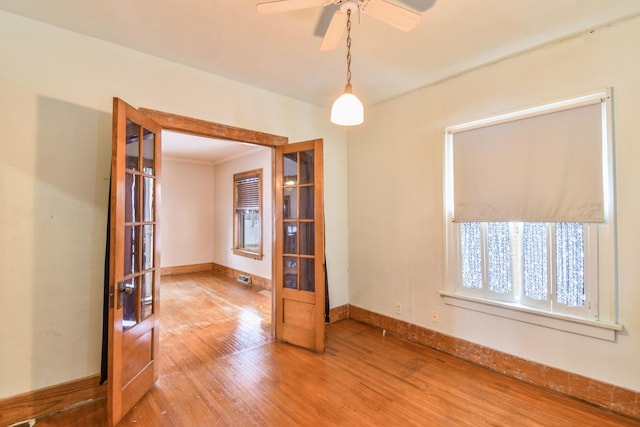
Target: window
{"points": [[529, 214], [541, 265], [247, 210]]}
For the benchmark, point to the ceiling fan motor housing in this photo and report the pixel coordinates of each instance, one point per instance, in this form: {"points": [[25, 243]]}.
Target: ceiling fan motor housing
{"points": [[349, 6], [385, 11]]}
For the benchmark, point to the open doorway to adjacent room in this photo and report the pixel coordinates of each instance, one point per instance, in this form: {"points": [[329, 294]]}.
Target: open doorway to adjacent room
{"points": [[214, 300]]}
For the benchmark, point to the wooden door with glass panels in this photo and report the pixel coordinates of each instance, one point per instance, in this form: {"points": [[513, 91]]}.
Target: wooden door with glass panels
{"points": [[299, 256], [134, 259]]}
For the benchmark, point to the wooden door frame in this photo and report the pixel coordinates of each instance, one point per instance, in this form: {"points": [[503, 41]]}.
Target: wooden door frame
{"points": [[174, 122], [207, 129]]}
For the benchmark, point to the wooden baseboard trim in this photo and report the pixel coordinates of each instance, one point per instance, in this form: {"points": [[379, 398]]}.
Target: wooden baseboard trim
{"points": [[183, 269], [611, 397], [337, 314], [48, 400], [258, 281]]}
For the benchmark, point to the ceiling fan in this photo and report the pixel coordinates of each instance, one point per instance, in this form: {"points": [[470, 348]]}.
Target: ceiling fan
{"points": [[397, 16]]}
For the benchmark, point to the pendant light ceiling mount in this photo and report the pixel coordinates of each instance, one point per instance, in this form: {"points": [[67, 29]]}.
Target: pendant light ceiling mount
{"points": [[349, 6]]}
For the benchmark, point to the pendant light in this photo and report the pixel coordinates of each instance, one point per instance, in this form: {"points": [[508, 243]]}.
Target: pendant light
{"points": [[347, 110]]}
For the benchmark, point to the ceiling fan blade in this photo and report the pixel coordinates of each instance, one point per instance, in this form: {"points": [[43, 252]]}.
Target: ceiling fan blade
{"points": [[334, 33], [280, 6], [324, 20], [397, 16], [419, 5]]}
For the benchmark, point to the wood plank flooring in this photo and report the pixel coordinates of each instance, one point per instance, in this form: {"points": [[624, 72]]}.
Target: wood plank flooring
{"points": [[220, 367]]}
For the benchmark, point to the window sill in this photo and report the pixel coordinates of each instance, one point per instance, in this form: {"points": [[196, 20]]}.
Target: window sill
{"points": [[591, 328], [247, 254]]}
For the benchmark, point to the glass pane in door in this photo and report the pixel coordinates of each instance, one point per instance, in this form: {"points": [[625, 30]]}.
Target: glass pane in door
{"points": [[306, 167], [307, 274], [147, 247], [146, 295], [133, 145], [306, 203], [290, 164], [290, 208], [131, 197], [307, 238], [129, 303], [148, 199], [148, 147], [291, 272], [130, 250], [290, 238]]}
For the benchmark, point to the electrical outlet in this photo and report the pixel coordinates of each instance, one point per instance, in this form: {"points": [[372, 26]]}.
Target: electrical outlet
{"points": [[398, 308], [435, 316]]}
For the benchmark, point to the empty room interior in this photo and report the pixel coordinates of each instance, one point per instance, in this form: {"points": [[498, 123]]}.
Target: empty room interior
{"points": [[193, 232]]}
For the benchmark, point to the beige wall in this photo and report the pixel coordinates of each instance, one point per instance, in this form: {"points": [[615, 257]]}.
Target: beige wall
{"points": [[55, 147], [396, 213], [187, 212]]}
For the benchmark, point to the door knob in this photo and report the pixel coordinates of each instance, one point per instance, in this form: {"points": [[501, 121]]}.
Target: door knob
{"points": [[126, 287]]}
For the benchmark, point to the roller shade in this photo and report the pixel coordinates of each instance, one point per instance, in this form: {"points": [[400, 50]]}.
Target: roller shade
{"points": [[547, 167]]}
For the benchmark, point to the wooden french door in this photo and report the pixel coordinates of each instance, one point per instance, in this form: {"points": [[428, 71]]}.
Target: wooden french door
{"points": [[299, 257], [134, 259]]}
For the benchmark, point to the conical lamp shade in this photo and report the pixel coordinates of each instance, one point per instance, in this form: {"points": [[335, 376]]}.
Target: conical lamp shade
{"points": [[347, 110]]}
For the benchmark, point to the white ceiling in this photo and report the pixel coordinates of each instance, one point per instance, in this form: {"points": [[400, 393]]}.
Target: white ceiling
{"points": [[281, 52], [181, 146]]}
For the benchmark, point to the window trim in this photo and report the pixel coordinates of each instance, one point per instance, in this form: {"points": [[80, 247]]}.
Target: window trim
{"points": [[560, 321], [237, 249], [602, 239]]}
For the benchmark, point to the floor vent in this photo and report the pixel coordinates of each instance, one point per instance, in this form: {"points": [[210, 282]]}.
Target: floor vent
{"points": [[244, 279]]}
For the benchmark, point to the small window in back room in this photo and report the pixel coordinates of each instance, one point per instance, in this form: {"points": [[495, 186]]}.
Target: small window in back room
{"points": [[247, 211]]}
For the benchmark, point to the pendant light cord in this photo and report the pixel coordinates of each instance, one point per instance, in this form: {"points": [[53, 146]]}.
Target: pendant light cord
{"points": [[349, 47], [347, 110]]}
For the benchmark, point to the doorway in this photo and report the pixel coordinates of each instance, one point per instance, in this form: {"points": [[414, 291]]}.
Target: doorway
{"points": [[203, 300], [298, 305]]}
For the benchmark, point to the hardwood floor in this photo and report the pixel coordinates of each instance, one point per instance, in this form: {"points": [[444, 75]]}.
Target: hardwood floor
{"points": [[220, 367]]}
